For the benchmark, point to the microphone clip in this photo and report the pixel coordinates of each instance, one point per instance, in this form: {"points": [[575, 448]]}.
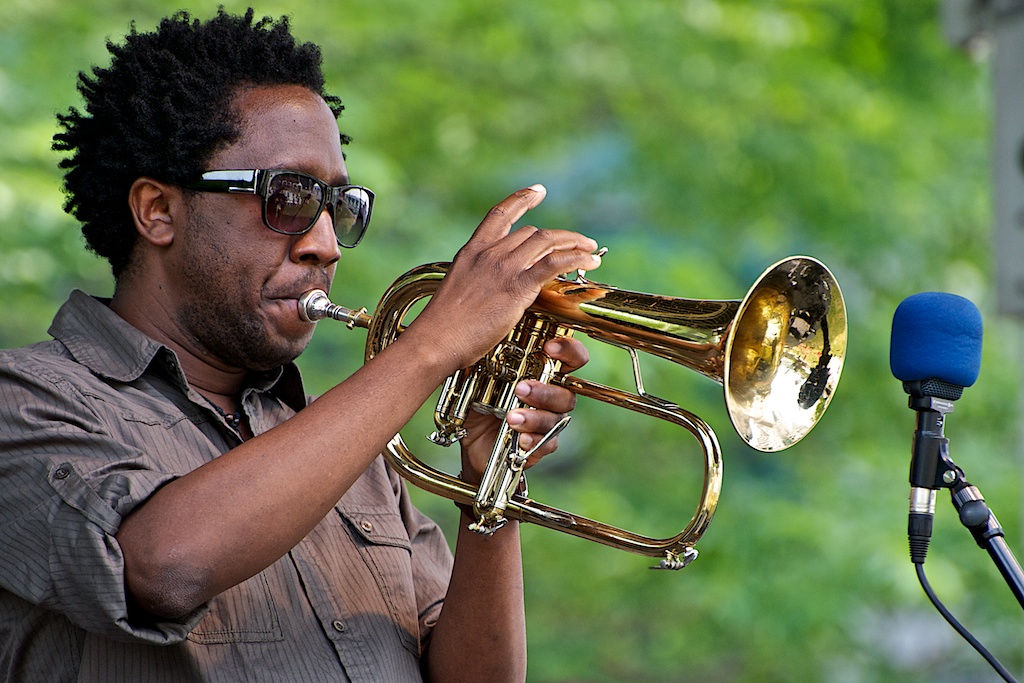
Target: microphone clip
{"points": [[931, 466]]}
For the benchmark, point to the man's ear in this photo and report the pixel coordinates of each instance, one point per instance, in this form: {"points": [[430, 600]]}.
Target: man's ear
{"points": [[156, 208]]}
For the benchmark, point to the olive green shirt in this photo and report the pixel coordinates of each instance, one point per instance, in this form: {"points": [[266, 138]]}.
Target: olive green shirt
{"points": [[91, 424]]}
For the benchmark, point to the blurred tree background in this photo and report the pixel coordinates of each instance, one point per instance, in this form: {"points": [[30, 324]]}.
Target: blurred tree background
{"points": [[700, 141]]}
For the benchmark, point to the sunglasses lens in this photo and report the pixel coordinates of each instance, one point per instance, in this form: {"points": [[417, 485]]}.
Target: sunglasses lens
{"points": [[352, 215], [293, 203]]}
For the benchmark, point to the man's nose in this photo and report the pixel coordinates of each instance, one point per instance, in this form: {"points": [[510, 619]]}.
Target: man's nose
{"points": [[319, 244]]}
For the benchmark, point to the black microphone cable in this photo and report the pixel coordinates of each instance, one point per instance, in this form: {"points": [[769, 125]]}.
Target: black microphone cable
{"points": [[960, 628], [918, 553]]}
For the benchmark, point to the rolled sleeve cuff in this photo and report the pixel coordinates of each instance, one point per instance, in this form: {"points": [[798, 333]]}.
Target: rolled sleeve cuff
{"points": [[87, 565]]}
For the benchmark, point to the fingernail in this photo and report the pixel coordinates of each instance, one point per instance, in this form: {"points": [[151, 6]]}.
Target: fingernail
{"points": [[522, 389], [538, 188], [554, 346], [515, 418]]}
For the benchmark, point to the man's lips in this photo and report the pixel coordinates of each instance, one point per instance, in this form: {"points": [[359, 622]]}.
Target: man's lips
{"points": [[289, 303], [293, 294], [288, 295]]}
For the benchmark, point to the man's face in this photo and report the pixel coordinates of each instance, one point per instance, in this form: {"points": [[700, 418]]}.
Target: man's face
{"points": [[239, 280]]}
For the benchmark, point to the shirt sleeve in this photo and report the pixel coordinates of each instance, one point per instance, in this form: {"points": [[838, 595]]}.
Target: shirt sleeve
{"points": [[68, 479], [432, 559]]}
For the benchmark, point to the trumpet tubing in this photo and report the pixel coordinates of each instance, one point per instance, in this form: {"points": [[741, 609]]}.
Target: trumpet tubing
{"points": [[778, 353]]}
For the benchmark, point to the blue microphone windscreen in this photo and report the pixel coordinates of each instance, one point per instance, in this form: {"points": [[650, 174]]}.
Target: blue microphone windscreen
{"points": [[936, 336]]}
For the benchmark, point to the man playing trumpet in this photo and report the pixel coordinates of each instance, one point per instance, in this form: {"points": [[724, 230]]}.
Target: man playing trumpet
{"points": [[174, 508]]}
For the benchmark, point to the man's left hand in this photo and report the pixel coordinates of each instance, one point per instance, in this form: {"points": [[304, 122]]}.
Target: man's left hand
{"points": [[547, 405]]}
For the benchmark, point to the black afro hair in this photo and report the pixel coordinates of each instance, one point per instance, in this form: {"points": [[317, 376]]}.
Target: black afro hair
{"points": [[162, 108]]}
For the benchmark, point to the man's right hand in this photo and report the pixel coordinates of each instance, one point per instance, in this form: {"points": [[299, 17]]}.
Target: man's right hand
{"points": [[496, 276]]}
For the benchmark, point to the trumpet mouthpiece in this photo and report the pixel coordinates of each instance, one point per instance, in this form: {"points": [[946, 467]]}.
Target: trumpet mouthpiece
{"points": [[314, 305]]}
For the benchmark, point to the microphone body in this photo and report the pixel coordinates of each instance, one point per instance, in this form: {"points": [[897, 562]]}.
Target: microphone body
{"points": [[929, 463], [935, 351]]}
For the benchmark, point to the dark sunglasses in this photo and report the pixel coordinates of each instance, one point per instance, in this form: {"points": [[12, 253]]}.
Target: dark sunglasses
{"points": [[293, 201]]}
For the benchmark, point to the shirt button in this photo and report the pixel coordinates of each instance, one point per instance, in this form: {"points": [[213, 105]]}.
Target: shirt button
{"points": [[338, 625], [367, 526], [62, 472]]}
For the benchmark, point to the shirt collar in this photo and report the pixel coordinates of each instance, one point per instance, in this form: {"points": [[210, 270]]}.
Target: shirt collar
{"points": [[112, 348]]}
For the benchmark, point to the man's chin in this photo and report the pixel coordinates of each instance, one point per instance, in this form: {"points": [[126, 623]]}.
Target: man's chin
{"points": [[278, 352], [268, 361], [260, 349]]}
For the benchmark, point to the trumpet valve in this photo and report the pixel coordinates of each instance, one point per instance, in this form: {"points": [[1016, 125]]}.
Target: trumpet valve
{"points": [[446, 437], [487, 527], [677, 561]]}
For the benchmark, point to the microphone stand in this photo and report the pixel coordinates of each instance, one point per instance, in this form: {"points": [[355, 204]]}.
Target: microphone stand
{"points": [[978, 518], [932, 468]]}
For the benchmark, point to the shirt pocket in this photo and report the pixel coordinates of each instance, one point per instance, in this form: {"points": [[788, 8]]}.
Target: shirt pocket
{"points": [[242, 614], [384, 546]]}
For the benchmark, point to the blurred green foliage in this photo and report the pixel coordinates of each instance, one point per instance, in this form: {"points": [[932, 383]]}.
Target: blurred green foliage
{"points": [[700, 141]]}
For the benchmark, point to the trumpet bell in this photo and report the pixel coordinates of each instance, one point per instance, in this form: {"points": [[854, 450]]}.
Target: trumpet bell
{"points": [[784, 354], [778, 352]]}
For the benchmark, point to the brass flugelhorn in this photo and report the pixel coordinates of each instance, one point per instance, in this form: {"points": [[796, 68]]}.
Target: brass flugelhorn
{"points": [[778, 353]]}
